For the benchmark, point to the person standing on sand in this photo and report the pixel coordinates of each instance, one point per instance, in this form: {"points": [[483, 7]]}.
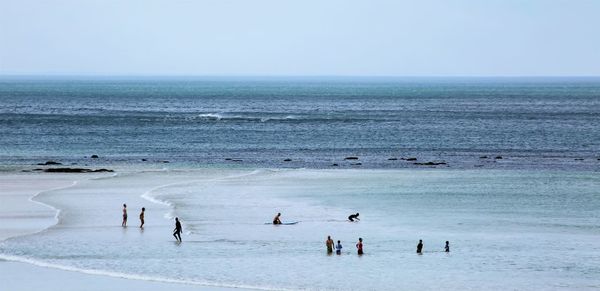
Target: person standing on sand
{"points": [[359, 246], [329, 243], [338, 248], [142, 217], [124, 223], [420, 247], [447, 247], [276, 219], [177, 231]]}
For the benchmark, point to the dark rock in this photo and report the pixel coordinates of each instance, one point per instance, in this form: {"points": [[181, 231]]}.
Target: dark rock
{"points": [[287, 160], [579, 159], [75, 170], [165, 162], [392, 159], [483, 157], [356, 164], [430, 163], [94, 156], [144, 160], [410, 159], [49, 163], [498, 158], [237, 160], [351, 158], [228, 159], [335, 165]]}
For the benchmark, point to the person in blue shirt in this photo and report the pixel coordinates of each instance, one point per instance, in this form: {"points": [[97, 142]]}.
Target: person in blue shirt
{"points": [[338, 248]]}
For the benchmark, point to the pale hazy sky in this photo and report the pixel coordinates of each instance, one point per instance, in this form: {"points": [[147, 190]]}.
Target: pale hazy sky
{"points": [[303, 37]]}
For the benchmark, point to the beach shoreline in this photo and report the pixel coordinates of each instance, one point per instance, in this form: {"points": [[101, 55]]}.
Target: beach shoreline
{"points": [[25, 216], [225, 214]]}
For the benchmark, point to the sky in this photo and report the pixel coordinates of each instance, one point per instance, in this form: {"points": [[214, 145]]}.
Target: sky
{"points": [[300, 38]]}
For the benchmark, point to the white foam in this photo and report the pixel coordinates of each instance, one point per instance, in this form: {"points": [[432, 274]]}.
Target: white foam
{"points": [[40, 263]]}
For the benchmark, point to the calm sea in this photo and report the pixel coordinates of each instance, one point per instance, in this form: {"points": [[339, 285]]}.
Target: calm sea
{"points": [[314, 122]]}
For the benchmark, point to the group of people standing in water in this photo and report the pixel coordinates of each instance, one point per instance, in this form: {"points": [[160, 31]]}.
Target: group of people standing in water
{"points": [[359, 246], [329, 243], [124, 223], [338, 247], [176, 232]]}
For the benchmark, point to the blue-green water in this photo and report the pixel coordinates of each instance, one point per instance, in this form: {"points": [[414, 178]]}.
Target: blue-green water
{"points": [[526, 221], [530, 122], [508, 229]]}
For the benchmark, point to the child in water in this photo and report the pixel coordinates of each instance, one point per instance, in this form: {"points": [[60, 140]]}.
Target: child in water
{"points": [[338, 248]]}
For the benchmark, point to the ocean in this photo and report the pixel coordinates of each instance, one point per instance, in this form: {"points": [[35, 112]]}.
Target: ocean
{"points": [[312, 122], [513, 188]]}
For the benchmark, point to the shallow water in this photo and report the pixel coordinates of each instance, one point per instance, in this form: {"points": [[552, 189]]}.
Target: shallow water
{"points": [[524, 230]]}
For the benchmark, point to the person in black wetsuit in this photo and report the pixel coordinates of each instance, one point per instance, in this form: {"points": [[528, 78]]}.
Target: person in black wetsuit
{"points": [[177, 231], [353, 217], [447, 247], [420, 247]]}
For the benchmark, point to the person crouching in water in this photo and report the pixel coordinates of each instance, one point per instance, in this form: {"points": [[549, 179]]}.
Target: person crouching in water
{"points": [[177, 231], [338, 248], [353, 217]]}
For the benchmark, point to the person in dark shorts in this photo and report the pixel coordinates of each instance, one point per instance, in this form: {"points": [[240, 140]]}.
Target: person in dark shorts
{"points": [[142, 217], [329, 243], [276, 219], [124, 223], [353, 217], [447, 247], [359, 246], [177, 231], [420, 247]]}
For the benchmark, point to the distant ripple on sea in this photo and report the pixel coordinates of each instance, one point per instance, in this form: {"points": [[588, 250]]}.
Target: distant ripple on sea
{"points": [[305, 122]]}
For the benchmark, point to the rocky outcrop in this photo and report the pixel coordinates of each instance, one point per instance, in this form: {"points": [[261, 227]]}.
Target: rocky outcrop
{"points": [[73, 170], [94, 156], [351, 158], [49, 163], [430, 163]]}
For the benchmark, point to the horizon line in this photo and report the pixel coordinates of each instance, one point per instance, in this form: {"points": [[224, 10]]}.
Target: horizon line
{"points": [[279, 76]]}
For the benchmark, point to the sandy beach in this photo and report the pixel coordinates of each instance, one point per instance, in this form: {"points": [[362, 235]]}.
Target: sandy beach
{"points": [[21, 215]]}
